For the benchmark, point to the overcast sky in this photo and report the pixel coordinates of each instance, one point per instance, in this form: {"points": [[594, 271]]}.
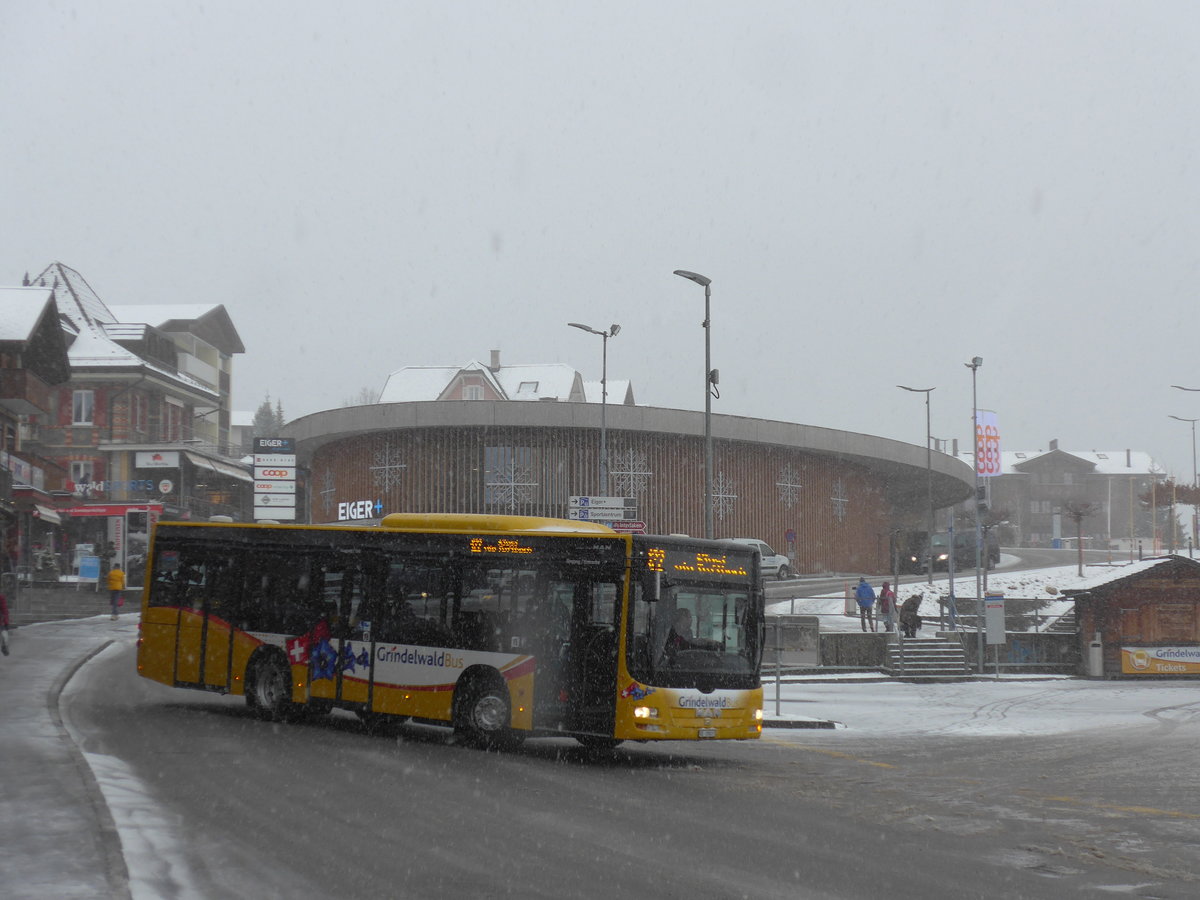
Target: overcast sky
{"points": [[879, 191]]}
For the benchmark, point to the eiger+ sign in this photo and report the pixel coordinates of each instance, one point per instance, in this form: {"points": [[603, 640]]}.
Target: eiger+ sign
{"points": [[277, 445], [354, 510]]}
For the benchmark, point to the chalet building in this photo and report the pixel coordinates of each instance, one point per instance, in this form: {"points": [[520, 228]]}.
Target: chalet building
{"points": [[1037, 489], [1141, 620], [142, 427], [33, 360]]}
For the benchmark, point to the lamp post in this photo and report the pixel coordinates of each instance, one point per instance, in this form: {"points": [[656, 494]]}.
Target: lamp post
{"points": [[974, 365], [1193, 424], [710, 378], [928, 470], [613, 330]]}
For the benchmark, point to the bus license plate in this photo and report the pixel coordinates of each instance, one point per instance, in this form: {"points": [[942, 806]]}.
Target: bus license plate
{"points": [[708, 732]]}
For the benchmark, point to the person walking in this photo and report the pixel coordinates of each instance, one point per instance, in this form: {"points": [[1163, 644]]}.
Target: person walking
{"points": [[887, 607], [910, 617], [865, 595], [116, 584]]}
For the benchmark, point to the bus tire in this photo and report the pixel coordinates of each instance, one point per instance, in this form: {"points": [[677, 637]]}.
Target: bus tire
{"points": [[482, 715], [269, 691]]}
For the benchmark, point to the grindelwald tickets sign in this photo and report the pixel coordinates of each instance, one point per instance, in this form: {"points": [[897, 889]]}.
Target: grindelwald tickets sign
{"points": [[1160, 660], [987, 443]]}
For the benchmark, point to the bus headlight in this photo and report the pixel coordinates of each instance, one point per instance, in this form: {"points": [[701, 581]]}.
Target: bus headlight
{"points": [[758, 715], [645, 712]]}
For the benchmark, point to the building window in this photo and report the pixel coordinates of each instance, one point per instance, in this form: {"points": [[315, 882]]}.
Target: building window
{"points": [[83, 473], [473, 392], [83, 407], [137, 413], [173, 426]]}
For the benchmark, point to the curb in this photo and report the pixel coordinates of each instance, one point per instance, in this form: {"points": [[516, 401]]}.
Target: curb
{"points": [[117, 873]]}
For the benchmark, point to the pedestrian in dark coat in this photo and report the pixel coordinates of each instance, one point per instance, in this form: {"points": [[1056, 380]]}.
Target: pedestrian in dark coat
{"points": [[910, 617]]}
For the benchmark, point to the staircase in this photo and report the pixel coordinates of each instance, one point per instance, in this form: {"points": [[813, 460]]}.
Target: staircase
{"points": [[927, 659]]}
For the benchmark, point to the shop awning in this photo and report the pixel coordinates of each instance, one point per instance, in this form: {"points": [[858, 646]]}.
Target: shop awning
{"points": [[46, 514], [220, 468]]}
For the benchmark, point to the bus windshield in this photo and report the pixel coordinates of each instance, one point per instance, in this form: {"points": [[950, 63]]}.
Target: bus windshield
{"points": [[695, 633]]}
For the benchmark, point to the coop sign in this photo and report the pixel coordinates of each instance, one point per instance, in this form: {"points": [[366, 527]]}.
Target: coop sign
{"points": [[1160, 660], [354, 510]]}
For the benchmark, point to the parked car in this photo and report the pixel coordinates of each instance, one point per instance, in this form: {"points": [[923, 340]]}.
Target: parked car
{"points": [[773, 565]]}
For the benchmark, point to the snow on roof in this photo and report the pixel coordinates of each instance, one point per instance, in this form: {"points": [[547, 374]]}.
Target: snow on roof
{"points": [[1094, 580], [158, 314], [91, 321], [241, 418], [88, 308], [538, 382], [21, 309], [1106, 462], [618, 390], [521, 382], [414, 383]]}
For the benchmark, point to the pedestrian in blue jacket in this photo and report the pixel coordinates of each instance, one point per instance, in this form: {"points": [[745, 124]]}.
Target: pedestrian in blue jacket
{"points": [[865, 595]]}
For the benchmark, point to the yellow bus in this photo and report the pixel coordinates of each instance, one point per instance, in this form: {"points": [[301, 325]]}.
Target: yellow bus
{"points": [[500, 626]]}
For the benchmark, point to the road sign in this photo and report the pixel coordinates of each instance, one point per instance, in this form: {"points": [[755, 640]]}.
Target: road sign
{"points": [[598, 513], [275, 500], [274, 473], [628, 526], [591, 502]]}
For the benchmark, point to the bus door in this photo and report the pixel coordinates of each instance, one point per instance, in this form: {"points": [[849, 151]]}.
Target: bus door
{"points": [[592, 660], [340, 659], [203, 581], [222, 601]]}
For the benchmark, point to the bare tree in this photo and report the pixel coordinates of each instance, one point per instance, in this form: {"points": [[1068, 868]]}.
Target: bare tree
{"points": [[1079, 510]]}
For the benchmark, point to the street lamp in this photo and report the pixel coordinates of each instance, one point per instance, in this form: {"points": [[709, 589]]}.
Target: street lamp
{"points": [[1193, 424], [710, 379], [928, 468], [604, 336], [974, 365]]}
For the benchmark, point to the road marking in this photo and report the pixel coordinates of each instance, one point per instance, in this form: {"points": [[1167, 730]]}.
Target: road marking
{"points": [[834, 753], [1144, 810]]}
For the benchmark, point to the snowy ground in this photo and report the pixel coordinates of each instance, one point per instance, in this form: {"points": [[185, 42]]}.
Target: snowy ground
{"points": [[1045, 584], [43, 755]]}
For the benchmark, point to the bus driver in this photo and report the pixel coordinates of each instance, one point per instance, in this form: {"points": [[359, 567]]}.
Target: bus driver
{"points": [[681, 637]]}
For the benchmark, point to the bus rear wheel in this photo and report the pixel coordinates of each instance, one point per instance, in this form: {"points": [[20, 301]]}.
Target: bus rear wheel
{"points": [[270, 689], [482, 716]]}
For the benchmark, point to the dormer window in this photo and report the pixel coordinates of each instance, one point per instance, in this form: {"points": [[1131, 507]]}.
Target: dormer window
{"points": [[472, 392]]}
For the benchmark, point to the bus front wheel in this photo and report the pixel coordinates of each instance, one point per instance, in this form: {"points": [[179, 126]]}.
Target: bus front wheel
{"points": [[482, 716], [270, 689]]}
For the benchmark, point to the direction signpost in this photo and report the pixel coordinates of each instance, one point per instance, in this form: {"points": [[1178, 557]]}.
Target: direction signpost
{"points": [[586, 508], [275, 479]]}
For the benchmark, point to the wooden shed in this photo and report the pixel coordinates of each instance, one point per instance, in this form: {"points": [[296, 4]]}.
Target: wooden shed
{"points": [[1145, 617]]}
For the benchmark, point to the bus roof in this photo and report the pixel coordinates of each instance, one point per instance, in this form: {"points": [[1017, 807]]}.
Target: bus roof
{"points": [[490, 523]]}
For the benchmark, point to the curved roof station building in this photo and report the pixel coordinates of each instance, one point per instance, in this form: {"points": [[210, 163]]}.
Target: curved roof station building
{"points": [[828, 499]]}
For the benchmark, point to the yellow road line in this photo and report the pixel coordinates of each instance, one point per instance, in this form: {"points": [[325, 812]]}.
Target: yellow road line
{"points": [[834, 753]]}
